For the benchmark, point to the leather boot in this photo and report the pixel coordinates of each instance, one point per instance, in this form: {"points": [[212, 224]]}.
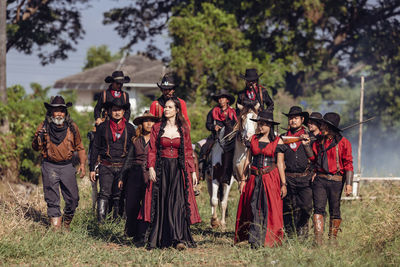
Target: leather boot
{"points": [[318, 220], [67, 219], [334, 227], [55, 223], [102, 208], [116, 215]]}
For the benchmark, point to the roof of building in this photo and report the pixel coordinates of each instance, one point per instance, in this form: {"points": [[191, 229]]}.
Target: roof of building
{"points": [[142, 71]]}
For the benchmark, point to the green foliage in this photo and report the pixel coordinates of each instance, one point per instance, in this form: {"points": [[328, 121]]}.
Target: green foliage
{"points": [[96, 56], [24, 113]]}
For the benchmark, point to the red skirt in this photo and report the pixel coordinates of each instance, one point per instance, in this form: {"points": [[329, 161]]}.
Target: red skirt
{"points": [[268, 205]]}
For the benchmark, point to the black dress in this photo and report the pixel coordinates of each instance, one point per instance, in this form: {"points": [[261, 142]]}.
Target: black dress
{"points": [[170, 225]]}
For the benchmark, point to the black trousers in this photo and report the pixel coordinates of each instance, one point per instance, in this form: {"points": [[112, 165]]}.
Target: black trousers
{"points": [[134, 193], [324, 191], [56, 177], [297, 205], [108, 180]]}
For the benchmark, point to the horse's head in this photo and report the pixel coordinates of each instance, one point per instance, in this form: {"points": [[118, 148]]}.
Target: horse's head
{"points": [[247, 127]]}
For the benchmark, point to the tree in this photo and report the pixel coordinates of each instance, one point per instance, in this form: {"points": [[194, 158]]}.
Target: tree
{"points": [[51, 27], [96, 56]]}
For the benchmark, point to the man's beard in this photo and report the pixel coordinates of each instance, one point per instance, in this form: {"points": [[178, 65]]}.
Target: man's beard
{"points": [[58, 120]]}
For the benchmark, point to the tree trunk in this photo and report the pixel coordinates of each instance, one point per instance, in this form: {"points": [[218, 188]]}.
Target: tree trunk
{"points": [[4, 127]]}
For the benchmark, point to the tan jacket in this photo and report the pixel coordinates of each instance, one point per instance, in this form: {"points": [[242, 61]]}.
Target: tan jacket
{"points": [[64, 151]]}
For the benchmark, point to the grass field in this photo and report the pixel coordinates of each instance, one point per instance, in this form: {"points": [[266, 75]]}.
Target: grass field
{"points": [[370, 237]]}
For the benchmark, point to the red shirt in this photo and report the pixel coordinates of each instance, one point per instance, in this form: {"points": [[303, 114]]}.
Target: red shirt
{"points": [[157, 110], [345, 156]]}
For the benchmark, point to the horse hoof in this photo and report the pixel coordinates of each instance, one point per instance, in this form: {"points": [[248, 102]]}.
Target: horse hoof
{"points": [[223, 227], [215, 223]]}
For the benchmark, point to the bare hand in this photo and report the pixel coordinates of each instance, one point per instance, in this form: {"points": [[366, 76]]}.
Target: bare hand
{"points": [[217, 128], [152, 173], [306, 139], [283, 191], [194, 177], [348, 190], [82, 171], [257, 106], [313, 177], [92, 176], [120, 185], [242, 185], [98, 121]]}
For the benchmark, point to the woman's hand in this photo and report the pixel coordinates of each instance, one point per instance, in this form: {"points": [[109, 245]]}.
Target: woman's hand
{"points": [[242, 184], [283, 191], [120, 185], [194, 178], [152, 173]]}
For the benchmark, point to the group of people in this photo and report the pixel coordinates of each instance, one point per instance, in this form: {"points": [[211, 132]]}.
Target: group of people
{"points": [[149, 173]]}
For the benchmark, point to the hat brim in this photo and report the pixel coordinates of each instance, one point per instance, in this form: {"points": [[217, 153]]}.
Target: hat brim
{"points": [[305, 115], [330, 124], [139, 120], [166, 87], [250, 79], [48, 106], [110, 79], [231, 98], [268, 121]]}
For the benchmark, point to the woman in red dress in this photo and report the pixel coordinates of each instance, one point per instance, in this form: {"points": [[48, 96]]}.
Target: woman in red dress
{"points": [[170, 205], [259, 218]]}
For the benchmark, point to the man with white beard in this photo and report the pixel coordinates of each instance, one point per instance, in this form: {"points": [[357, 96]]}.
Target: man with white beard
{"points": [[58, 137]]}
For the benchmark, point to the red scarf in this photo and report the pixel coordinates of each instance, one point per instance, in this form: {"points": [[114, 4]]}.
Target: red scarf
{"points": [[116, 93], [117, 128], [220, 115], [295, 146], [251, 94]]}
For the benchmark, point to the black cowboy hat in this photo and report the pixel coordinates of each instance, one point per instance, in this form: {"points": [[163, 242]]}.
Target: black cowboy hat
{"points": [[266, 116], [297, 111], [250, 75], [167, 82], [316, 116], [57, 101], [146, 116], [224, 93], [332, 119], [118, 77], [117, 102]]}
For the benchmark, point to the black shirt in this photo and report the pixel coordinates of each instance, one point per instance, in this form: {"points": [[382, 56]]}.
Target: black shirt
{"points": [[109, 98], [103, 142], [295, 161]]}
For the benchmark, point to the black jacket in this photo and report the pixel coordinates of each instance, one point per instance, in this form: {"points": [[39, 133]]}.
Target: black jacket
{"points": [[245, 101], [98, 109]]}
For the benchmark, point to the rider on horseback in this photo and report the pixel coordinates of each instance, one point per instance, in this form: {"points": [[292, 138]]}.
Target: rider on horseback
{"points": [[219, 117], [254, 95]]}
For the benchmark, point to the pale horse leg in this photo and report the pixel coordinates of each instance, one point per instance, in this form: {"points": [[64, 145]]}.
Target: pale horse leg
{"points": [[224, 202], [213, 184]]}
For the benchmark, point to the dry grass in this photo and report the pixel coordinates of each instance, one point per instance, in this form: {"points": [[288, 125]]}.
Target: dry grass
{"points": [[371, 236]]}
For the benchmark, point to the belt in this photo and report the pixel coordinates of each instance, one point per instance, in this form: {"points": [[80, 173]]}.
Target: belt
{"points": [[258, 172], [298, 174], [332, 177], [111, 164]]}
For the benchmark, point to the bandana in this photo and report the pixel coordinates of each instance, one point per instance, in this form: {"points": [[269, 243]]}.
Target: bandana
{"points": [[296, 145], [322, 157], [116, 94], [220, 115], [251, 94], [57, 134], [117, 128]]}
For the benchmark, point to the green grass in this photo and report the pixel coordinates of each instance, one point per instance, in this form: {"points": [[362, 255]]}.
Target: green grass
{"points": [[370, 237]]}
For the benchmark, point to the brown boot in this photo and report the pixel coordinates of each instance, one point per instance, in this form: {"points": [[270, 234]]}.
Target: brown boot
{"points": [[55, 223], [334, 228], [318, 228], [67, 219]]}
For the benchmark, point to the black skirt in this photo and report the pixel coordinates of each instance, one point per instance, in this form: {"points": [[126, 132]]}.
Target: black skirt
{"points": [[169, 223]]}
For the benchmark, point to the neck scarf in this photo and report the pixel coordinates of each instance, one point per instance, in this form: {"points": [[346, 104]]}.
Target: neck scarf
{"points": [[220, 115], [296, 145], [117, 128], [251, 94], [57, 134], [116, 93], [322, 157]]}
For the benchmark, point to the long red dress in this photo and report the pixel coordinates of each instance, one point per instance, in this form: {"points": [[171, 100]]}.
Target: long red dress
{"points": [[259, 217]]}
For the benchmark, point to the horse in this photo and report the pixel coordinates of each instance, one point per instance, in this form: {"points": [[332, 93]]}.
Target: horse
{"points": [[245, 129], [217, 190]]}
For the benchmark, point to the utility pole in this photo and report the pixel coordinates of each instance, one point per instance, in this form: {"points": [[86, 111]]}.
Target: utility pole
{"points": [[4, 127]]}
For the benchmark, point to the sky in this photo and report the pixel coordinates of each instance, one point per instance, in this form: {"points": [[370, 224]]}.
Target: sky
{"points": [[23, 69]]}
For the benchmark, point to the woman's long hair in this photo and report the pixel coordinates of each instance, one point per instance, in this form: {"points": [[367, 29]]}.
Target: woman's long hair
{"points": [[139, 133], [182, 129], [271, 134]]}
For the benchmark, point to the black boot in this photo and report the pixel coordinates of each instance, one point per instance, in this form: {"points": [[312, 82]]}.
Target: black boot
{"points": [[102, 208], [116, 210]]}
